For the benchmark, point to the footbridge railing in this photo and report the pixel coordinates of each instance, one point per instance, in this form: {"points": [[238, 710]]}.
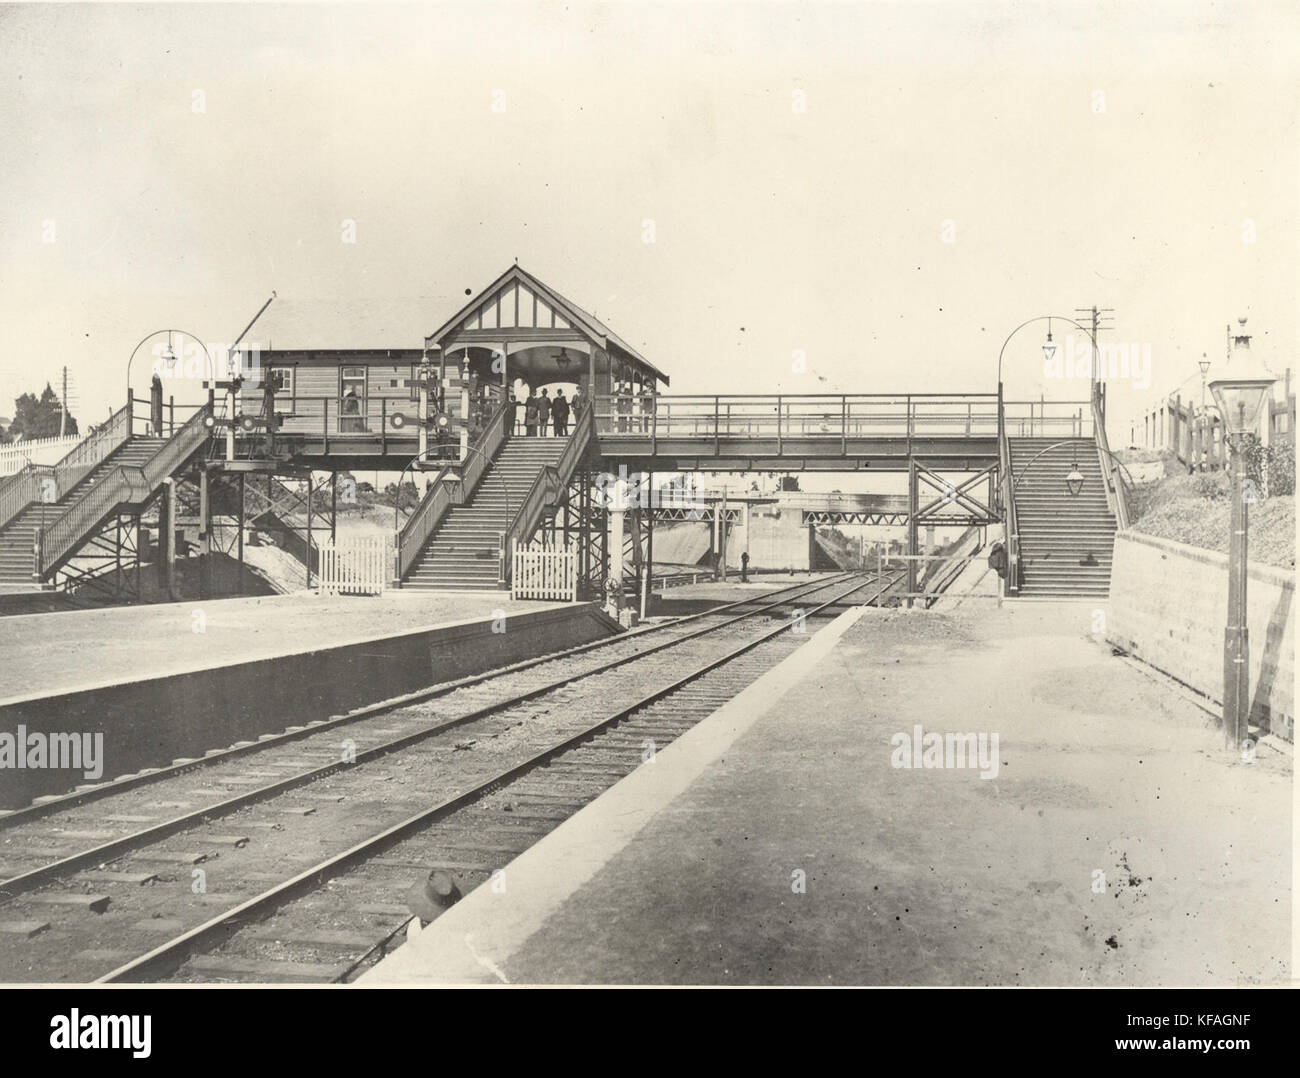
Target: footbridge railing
{"points": [[835, 416], [124, 485], [797, 415], [1118, 494], [49, 482]]}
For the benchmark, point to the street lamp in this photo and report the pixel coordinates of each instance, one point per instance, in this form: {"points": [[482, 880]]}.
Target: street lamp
{"points": [[1049, 345], [1240, 388], [1074, 479], [1204, 364]]}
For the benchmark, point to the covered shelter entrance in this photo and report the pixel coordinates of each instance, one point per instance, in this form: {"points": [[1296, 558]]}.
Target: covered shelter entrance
{"points": [[519, 336]]}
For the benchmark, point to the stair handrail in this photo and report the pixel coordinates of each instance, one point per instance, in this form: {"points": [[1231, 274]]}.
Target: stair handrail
{"points": [[424, 518], [127, 484], [548, 486], [442, 495], [1012, 583], [19, 490], [89, 453], [1117, 493], [27, 485]]}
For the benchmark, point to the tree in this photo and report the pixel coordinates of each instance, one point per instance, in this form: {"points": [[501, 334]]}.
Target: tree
{"points": [[39, 417]]}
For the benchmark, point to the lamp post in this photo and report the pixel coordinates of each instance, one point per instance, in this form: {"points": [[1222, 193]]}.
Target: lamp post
{"points": [[1240, 389]]}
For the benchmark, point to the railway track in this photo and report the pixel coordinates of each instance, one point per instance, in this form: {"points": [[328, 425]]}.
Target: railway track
{"points": [[323, 836]]}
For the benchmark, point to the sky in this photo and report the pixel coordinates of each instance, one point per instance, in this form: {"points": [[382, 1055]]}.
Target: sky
{"points": [[887, 188]]}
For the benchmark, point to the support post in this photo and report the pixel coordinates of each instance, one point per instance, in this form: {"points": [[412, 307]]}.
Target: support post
{"points": [[649, 539], [912, 506], [334, 505], [138, 540], [722, 533], [616, 514], [117, 550], [205, 535], [169, 523], [240, 589], [310, 509]]}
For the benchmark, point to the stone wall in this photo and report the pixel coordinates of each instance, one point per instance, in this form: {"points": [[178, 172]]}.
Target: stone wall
{"points": [[1168, 607]]}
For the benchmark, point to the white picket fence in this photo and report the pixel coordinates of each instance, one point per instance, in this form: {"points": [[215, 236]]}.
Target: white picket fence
{"points": [[357, 566], [15, 457], [543, 572]]}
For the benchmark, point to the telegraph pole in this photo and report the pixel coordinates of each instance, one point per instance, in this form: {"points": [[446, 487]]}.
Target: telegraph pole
{"points": [[1097, 316], [63, 405]]}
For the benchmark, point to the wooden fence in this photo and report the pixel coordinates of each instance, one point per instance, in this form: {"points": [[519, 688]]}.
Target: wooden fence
{"points": [[17, 455], [358, 566], [1195, 435], [545, 572]]}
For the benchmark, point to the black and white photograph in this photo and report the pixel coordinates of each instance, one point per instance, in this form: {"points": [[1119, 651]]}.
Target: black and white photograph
{"points": [[649, 493]]}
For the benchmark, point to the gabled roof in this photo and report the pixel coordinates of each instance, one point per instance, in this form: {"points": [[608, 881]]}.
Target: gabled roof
{"points": [[581, 320]]}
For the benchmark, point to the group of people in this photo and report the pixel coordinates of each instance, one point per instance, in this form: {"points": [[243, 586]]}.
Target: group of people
{"points": [[537, 413], [628, 400]]}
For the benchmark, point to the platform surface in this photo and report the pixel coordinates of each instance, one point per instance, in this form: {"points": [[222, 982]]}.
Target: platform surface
{"points": [[49, 653], [1117, 844]]}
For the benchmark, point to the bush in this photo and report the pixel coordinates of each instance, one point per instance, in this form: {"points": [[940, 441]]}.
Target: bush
{"points": [[1211, 485], [1281, 468], [1277, 461]]}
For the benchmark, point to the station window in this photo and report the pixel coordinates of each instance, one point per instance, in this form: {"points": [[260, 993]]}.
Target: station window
{"points": [[282, 380]]}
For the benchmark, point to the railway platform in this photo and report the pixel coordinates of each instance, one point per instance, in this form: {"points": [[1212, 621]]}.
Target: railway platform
{"points": [[809, 832], [179, 679]]}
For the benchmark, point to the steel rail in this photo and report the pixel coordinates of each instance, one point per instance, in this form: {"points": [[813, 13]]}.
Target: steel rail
{"points": [[315, 726], [167, 956], [117, 847]]}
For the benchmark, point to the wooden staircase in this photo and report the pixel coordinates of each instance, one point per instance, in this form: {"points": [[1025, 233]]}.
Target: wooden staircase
{"points": [[1066, 541], [463, 553]]}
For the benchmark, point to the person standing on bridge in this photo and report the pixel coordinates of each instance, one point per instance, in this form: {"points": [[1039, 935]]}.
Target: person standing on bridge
{"points": [[512, 414], [647, 405], [530, 413], [543, 414], [623, 405], [560, 413]]}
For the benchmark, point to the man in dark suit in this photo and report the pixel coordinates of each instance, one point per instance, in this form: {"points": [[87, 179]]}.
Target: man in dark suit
{"points": [[531, 414], [543, 413], [560, 414]]}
